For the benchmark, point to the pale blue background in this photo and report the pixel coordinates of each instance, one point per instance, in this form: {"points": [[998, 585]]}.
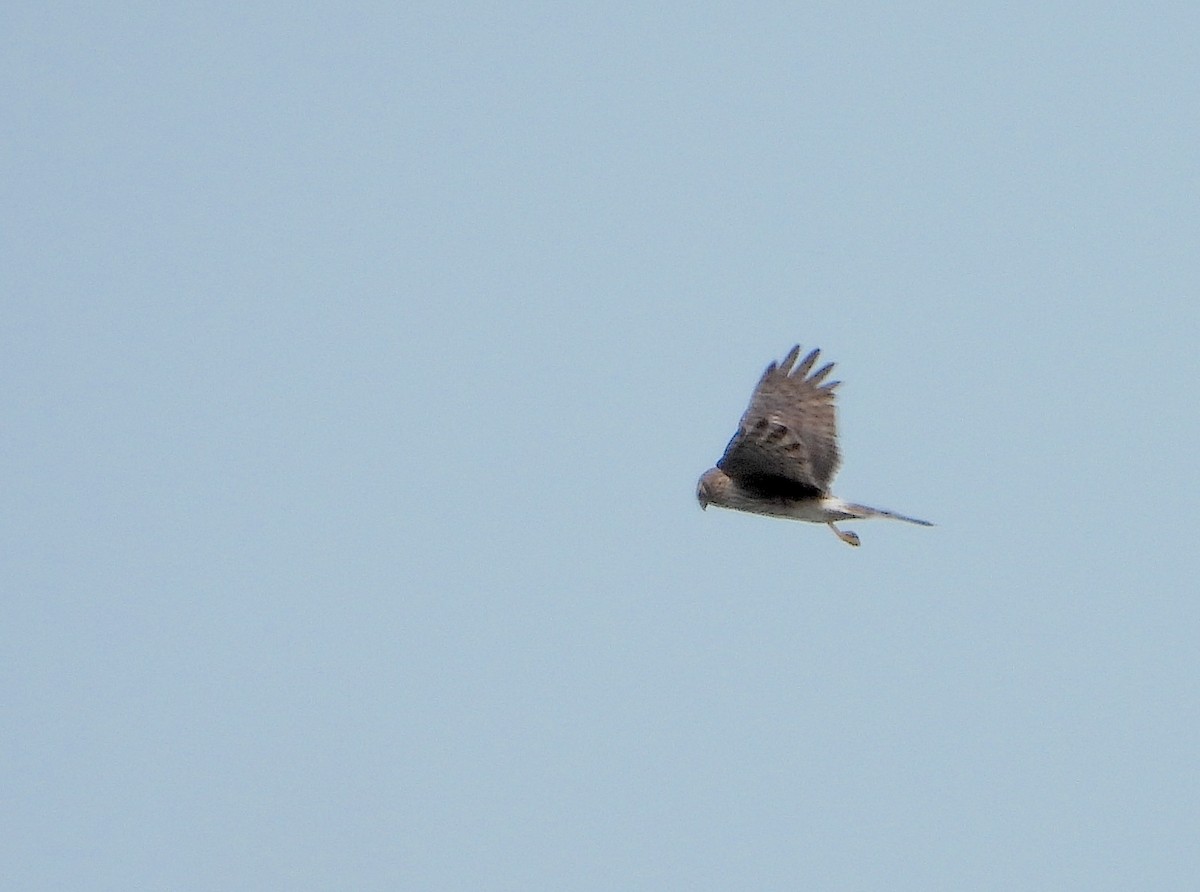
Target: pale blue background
{"points": [[358, 365]]}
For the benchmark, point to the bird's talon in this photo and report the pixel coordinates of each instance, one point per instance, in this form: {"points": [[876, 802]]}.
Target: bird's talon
{"points": [[848, 536]]}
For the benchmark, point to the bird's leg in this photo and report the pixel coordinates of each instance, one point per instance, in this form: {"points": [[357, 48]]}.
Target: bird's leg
{"points": [[848, 536]]}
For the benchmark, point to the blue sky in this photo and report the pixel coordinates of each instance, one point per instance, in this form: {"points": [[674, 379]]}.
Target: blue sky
{"points": [[361, 361]]}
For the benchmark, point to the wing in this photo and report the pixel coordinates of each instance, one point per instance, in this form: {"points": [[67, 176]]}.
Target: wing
{"points": [[787, 440]]}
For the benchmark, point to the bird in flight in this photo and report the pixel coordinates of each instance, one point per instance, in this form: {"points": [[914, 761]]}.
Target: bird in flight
{"points": [[785, 452]]}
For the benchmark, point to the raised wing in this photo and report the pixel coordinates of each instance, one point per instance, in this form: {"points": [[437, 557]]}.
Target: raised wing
{"points": [[787, 440]]}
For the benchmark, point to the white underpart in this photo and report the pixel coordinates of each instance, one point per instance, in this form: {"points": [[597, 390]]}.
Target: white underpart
{"points": [[823, 511]]}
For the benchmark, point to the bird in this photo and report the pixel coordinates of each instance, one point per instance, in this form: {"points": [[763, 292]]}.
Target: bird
{"points": [[784, 455]]}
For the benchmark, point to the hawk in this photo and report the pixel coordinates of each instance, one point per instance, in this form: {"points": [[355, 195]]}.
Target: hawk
{"points": [[785, 452]]}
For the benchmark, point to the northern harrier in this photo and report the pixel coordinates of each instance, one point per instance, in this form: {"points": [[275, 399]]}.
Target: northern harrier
{"points": [[785, 453]]}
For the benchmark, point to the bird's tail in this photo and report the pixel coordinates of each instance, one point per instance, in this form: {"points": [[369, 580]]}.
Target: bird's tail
{"points": [[865, 512]]}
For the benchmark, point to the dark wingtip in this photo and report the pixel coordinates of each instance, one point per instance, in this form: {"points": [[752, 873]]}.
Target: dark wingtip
{"points": [[819, 375], [807, 363], [788, 361]]}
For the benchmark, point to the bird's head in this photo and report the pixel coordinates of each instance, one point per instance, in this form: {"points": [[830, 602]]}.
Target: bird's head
{"points": [[711, 484]]}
